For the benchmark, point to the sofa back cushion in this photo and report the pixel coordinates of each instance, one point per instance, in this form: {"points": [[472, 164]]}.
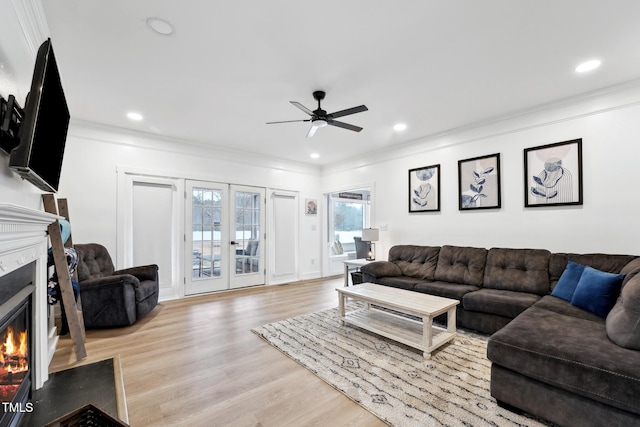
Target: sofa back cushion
{"points": [[520, 270], [93, 261], [603, 262], [463, 265], [415, 261]]}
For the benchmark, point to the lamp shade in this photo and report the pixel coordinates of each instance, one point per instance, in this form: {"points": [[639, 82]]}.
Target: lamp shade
{"points": [[370, 234]]}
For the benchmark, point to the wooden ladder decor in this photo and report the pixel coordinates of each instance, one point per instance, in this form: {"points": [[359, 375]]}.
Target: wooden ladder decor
{"points": [[73, 309]]}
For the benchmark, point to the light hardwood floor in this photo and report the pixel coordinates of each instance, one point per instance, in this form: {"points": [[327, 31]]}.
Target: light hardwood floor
{"points": [[195, 362]]}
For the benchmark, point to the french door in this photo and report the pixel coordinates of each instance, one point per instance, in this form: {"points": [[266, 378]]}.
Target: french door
{"points": [[225, 236], [248, 235]]}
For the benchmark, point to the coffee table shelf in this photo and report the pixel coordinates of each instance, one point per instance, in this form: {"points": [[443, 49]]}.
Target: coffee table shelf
{"points": [[422, 335]]}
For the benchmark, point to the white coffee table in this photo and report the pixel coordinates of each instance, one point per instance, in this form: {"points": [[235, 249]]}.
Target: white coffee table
{"points": [[421, 335]]}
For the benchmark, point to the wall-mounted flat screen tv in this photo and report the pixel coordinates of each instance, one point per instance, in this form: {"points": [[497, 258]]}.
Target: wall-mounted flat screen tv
{"points": [[43, 132]]}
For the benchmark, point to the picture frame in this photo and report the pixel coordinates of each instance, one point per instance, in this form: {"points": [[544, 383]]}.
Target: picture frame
{"points": [[424, 189], [479, 183], [311, 207], [553, 174]]}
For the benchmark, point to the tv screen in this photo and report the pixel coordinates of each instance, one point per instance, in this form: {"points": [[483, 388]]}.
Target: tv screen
{"points": [[43, 132]]}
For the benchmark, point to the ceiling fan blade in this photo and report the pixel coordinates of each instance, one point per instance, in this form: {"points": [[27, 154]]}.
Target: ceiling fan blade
{"points": [[312, 131], [344, 125], [289, 121], [302, 107], [348, 111]]}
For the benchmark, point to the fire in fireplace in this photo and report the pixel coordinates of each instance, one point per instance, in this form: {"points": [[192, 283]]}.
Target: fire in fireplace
{"points": [[14, 360]]}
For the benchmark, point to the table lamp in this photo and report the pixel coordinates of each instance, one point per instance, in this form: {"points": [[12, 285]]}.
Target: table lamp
{"points": [[370, 235]]}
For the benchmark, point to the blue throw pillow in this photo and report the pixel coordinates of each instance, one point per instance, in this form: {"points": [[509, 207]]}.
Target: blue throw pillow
{"points": [[569, 279], [597, 291]]}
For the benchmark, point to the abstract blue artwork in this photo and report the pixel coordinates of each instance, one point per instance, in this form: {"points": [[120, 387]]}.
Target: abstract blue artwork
{"points": [[553, 174], [479, 182], [424, 189]]}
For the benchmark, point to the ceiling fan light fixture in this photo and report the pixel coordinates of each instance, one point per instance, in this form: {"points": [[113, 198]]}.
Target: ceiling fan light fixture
{"points": [[319, 123]]}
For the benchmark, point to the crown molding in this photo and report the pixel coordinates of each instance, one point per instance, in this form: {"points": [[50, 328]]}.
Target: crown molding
{"points": [[33, 22], [619, 96], [122, 136]]}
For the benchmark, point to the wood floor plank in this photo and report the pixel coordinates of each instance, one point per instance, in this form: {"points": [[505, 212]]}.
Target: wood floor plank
{"points": [[195, 361]]}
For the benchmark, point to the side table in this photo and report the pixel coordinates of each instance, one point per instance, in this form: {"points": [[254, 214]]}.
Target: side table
{"points": [[352, 263]]}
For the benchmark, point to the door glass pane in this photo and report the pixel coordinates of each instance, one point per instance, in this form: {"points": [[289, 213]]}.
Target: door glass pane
{"points": [[247, 232], [207, 242]]}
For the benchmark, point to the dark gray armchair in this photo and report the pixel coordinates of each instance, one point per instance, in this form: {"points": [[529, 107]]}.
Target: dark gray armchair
{"points": [[111, 297]]}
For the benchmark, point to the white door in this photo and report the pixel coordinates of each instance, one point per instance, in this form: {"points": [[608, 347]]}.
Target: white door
{"points": [[283, 214], [247, 236], [207, 237], [149, 218]]}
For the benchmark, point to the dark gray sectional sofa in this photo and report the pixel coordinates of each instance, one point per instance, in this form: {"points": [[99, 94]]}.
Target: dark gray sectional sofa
{"points": [[550, 358]]}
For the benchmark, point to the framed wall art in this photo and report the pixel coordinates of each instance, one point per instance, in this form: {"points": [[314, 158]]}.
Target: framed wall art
{"points": [[311, 206], [424, 189], [479, 182], [553, 174]]}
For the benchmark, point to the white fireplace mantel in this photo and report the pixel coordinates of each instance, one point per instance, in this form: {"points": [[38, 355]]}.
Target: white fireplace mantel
{"points": [[23, 240]]}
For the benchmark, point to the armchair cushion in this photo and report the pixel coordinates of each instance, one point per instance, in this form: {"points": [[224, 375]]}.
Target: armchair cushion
{"points": [[94, 261]]}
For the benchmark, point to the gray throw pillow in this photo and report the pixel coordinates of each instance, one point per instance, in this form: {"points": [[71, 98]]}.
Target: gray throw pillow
{"points": [[623, 321]]}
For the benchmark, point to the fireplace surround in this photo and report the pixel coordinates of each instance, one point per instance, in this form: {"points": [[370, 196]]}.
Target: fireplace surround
{"points": [[23, 303]]}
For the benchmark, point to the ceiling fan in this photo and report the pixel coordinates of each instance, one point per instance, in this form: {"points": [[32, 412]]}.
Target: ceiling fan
{"points": [[320, 118]]}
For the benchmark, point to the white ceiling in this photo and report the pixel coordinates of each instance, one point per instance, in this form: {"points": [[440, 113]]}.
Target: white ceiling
{"points": [[232, 66]]}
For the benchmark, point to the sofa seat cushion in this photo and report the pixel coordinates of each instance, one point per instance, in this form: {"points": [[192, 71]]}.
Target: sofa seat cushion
{"points": [[401, 282], [495, 301], [570, 353], [462, 265], [521, 270], [445, 289], [560, 306], [415, 261]]}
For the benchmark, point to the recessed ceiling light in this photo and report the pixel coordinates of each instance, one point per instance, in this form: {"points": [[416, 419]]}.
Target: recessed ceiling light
{"points": [[588, 66], [161, 26], [399, 127], [315, 156], [134, 116]]}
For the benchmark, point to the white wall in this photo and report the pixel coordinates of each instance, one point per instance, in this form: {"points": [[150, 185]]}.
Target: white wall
{"points": [[17, 59], [94, 154], [607, 221]]}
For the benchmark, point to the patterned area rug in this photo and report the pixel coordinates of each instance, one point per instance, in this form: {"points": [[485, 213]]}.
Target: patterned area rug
{"points": [[393, 381]]}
